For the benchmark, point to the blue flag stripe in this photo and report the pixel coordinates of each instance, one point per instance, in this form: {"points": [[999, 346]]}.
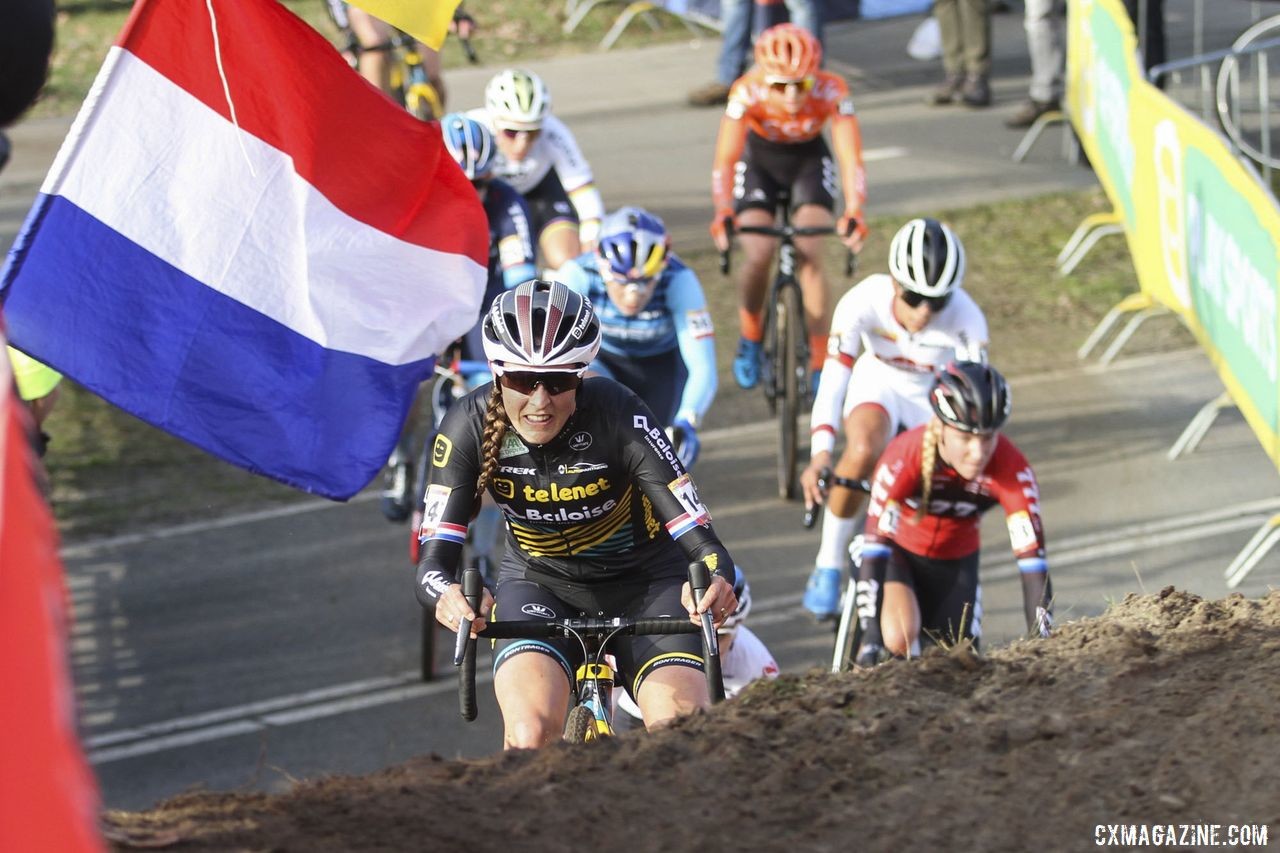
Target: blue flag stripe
{"points": [[197, 363]]}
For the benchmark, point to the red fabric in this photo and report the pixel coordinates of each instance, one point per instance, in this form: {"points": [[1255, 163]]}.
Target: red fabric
{"points": [[48, 798], [294, 91]]}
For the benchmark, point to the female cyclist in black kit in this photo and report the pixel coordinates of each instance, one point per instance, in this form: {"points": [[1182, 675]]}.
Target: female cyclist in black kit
{"points": [[601, 517]]}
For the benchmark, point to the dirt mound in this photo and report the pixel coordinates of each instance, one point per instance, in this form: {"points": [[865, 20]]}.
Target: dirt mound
{"points": [[1161, 711]]}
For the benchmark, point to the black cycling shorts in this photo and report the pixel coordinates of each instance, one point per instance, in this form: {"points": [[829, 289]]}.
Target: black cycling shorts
{"points": [[948, 592], [643, 598], [658, 380], [549, 203], [767, 168]]}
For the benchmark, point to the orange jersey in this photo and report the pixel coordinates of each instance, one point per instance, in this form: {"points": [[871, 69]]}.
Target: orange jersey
{"points": [[764, 116], [752, 109]]}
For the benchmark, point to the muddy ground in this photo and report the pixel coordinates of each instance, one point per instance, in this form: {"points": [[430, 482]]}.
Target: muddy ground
{"points": [[1162, 711]]}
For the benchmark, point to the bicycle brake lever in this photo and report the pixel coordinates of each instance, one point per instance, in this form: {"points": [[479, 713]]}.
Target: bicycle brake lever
{"points": [[811, 510]]}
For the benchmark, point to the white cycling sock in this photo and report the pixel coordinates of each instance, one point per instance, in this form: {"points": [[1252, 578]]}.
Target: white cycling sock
{"points": [[837, 533]]}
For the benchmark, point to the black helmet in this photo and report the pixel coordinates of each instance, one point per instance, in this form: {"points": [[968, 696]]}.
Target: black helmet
{"points": [[971, 396]]}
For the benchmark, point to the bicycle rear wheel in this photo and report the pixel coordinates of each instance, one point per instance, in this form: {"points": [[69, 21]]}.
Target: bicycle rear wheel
{"points": [[580, 725], [790, 371]]}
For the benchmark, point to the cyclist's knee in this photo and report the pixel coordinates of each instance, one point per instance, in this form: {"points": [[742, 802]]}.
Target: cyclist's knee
{"points": [[861, 451], [671, 692], [530, 732]]}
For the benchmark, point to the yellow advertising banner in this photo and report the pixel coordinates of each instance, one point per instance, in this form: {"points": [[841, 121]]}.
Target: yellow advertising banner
{"points": [[1203, 230]]}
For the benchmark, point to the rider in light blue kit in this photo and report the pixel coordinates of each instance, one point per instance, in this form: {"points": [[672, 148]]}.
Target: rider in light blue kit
{"points": [[658, 337]]}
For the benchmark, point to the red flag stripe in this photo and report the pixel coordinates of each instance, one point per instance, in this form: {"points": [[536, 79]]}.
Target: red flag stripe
{"points": [[292, 90]]}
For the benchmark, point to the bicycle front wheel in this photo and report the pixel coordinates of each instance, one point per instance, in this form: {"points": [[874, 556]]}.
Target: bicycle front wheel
{"points": [[580, 725], [790, 370], [849, 632]]}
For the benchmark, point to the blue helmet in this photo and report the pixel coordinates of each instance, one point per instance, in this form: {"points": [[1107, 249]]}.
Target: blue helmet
{"points": [[633, 244], [470, 144]]}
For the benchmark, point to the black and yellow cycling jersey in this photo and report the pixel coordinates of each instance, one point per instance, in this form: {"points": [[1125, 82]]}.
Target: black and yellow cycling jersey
{"points": [[605, 499]]}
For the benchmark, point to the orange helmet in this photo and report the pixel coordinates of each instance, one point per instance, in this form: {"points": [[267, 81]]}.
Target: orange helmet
{"points": [[788, 52]]}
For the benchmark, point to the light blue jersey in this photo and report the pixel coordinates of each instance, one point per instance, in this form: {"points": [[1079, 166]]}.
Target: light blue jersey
{"points": [[676, 317]]}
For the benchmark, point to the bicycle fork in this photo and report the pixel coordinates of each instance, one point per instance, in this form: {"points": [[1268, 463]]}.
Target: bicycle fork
{"points": [[595, 692]]}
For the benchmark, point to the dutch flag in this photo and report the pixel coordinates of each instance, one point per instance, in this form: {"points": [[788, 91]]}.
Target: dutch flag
{"points": [[243, 243]]}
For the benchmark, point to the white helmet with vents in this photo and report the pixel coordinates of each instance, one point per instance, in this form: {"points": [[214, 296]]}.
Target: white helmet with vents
{"points": [[541, 326], [517, 99], [926, 257]]}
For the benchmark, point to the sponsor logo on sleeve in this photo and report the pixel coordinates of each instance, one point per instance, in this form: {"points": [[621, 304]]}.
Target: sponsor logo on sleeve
{"points": [[440, 451], [656, 438], [845, 107], [435, 583]]}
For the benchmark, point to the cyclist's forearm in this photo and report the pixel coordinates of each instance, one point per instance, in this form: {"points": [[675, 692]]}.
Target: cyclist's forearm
{"points": [[828, 405], [699, 356], [1037, 592], [730, 143], [847, 139], [437, 569]]}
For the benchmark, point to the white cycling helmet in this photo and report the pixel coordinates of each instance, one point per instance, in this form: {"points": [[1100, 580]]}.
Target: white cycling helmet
{"points": [[926, 257], [541, 326], [517, 99]]}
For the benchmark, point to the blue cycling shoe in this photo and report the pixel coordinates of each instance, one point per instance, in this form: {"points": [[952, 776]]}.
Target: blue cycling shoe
{"points": [[822, 593], [746, 363]]}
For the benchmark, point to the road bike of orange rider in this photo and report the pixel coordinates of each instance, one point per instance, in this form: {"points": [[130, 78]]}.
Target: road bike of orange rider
{"points": [[770, 139], [601, 518], [931, 487]]}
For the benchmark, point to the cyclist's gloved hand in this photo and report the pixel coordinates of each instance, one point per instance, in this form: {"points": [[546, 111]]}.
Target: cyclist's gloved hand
{"points": [[719, 233], [690, 445], [852, 238]]}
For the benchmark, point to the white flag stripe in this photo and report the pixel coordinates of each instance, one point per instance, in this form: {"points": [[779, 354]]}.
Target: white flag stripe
{"points": [[171, 175]]}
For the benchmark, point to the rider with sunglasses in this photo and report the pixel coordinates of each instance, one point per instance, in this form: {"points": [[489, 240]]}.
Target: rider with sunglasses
{"points": [[770, 141], [602, 519], [889, 334], [539, 156], [658, 337]]}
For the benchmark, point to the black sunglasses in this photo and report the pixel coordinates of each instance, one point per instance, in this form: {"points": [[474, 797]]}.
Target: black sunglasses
{"points": [[527, 383], [915, 300]]}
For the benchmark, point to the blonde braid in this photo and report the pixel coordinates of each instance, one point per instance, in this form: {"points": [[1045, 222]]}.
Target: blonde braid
{"points": [[928, 461], [495, 427]]}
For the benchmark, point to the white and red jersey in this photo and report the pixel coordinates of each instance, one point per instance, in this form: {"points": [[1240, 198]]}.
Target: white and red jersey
{"points": [[949, 529], [745, 661], [555, 148], [892, 362]]}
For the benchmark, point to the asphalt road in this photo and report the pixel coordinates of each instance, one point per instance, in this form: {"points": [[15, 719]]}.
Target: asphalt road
{"points": [[246, 652]]}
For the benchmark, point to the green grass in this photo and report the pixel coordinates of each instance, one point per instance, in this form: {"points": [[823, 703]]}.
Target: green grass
{"points": [[509, 31], [112, 473]]}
